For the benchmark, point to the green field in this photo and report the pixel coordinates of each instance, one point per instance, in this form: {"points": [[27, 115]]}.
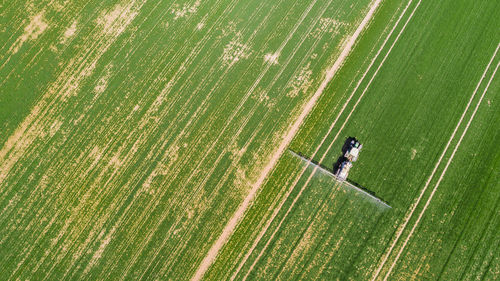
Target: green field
{"points": [[133, 132]]}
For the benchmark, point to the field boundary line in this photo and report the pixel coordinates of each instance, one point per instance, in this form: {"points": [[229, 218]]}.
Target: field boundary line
{"points": [[414, 206], [233, 222], [341, 128], [442, 173]]}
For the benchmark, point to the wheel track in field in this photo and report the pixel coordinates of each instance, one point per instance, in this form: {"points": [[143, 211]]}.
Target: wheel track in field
{"points": [[297, 70], [444, 170], [227, 231], [276, 211]]}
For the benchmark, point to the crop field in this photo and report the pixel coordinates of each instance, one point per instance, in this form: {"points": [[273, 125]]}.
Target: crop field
{"points": [[150, 140]]}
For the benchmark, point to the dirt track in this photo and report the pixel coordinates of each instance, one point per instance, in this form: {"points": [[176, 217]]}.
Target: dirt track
{"points": [[233, 222]]}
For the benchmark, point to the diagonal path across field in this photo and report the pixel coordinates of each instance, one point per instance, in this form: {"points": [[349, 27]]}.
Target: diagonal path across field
{"points": [[229, 228]]}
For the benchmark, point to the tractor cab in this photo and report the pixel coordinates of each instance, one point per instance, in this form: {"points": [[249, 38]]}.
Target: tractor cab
{"points": [[353, 149]]}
